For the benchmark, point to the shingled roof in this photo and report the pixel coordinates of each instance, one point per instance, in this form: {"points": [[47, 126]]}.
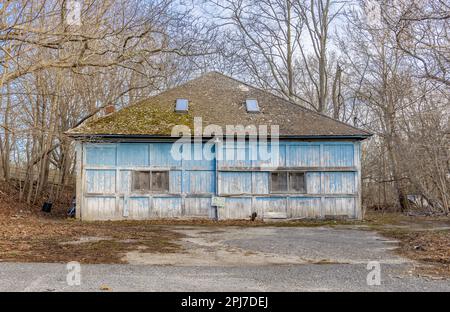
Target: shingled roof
{"points": [[219, 100]]}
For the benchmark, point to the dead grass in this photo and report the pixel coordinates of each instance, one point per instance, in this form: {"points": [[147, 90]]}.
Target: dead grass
{"points": [[10, 203], [325, 262], [313, 223], [431, 249], [421, 238], [36, 239], [392, 218], [249, 223]]}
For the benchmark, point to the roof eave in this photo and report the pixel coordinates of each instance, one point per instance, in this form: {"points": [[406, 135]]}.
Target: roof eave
{"points": [[82, 136]]}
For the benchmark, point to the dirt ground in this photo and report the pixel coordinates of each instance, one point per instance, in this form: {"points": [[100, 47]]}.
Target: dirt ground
{"points": [[423, 239], [40, 238]]}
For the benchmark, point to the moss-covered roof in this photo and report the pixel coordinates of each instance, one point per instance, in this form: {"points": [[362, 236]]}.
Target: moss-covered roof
{"points": [[219, 100], [137, 119]]}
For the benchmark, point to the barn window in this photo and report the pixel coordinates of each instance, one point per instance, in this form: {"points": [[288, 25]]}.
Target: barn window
{"points": [[287, 182], [297, 182], [279, 182], [154, 181], [141, 180], [160, 181]]}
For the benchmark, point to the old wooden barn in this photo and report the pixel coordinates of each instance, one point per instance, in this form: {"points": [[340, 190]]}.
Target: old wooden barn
{"points": [[126, 168]]}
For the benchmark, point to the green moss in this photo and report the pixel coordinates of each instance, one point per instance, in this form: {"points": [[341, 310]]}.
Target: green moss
{"points": [[141, 118]]}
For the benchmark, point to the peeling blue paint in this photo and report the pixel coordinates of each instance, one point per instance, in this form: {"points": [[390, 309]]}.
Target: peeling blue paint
{"points": [[330, 168]]}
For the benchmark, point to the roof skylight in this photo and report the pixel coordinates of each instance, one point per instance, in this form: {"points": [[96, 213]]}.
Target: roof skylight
{"points": [[182, 105], [252, 106]]}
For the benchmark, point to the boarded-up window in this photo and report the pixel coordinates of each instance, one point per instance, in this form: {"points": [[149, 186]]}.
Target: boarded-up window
{"points": [[155, 181], [287, 182], [160, 181], [279, 182], [141, 180], [297, 182]]}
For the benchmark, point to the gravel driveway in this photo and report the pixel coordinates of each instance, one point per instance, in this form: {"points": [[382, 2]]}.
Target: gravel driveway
{"points": [[241, 259]]}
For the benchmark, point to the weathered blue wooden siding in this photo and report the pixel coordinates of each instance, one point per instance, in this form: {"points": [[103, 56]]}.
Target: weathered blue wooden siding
{"points": [[332, 171]]}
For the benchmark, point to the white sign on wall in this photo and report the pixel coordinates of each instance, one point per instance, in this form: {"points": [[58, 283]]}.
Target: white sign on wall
{"points": [[218, 201]]}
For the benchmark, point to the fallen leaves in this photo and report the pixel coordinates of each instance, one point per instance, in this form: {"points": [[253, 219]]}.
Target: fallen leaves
{"points": [[105, 288], [37, 239], [430, 247]]}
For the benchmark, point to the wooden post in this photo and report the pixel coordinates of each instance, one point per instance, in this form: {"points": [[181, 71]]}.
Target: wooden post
{"points": [[79, 179], [358, 181]]}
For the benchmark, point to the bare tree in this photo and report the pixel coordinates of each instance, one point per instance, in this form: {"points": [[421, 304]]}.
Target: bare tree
{"points": [[318, 16], [421, 31], [408, 112], [55, 73], [265, 35]]}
